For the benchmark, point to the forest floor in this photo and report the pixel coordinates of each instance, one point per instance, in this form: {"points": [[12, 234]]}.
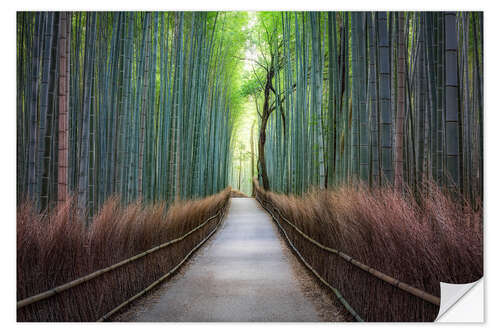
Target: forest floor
{"points": [[245, 272]]}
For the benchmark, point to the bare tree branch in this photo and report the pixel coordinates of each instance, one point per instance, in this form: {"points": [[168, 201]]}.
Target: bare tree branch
{"points": [[257, 77]]}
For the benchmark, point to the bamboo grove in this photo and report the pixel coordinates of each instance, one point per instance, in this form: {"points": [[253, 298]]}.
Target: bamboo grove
{"points": [[135, 104], [376, 97]]}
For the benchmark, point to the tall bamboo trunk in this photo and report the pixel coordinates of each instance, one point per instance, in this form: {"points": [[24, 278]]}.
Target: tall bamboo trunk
{"points": [[83, 177], [452, 103], [332, 48], [398, 168], [33, 119], [64, 61], [373, 105], [384, 99], [364, 129], [144, 108], [44, 108]]}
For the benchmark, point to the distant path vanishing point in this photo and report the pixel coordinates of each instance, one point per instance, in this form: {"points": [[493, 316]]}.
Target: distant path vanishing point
{"points": [[244, 273]]}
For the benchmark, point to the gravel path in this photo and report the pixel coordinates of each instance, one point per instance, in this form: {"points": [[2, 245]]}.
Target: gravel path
{"points": [[244, 273]]}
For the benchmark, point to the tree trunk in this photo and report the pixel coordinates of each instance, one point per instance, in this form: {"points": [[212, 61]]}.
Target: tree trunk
{"points": [[262, 160], [252, 157], [262, 135]]}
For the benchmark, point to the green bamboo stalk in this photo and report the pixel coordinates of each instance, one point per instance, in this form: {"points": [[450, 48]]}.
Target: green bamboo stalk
{"points": [[452, 103]]}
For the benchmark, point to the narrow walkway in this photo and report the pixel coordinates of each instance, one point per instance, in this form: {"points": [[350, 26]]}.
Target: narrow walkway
{"points": [[244, 273]]}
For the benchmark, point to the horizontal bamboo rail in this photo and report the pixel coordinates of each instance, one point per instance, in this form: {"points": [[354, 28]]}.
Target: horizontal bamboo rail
{"points": [[59, 289], [161, 279], [382, 276], [335, 290]]}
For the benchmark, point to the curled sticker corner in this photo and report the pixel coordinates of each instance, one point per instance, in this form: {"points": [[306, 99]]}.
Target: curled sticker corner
{"points": [[451, 298]]}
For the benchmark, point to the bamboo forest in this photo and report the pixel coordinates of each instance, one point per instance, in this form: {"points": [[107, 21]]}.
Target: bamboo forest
{"points": [[357, 137]]}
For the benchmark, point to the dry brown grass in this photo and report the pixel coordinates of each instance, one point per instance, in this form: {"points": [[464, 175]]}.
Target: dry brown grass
{"points": [[237, 194], [56, 248], [437, 239]]}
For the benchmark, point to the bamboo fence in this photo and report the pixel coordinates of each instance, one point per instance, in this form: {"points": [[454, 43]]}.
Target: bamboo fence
{"points": [[382, 276], [59, 289], [161, 279]]}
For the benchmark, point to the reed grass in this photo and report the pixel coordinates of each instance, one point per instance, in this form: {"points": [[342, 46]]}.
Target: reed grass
{"points": [[237, 194], [420, 241], [55, 248]]}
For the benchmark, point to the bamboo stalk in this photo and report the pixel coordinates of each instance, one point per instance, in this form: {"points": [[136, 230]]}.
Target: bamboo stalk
{"points": [[62, 166]]}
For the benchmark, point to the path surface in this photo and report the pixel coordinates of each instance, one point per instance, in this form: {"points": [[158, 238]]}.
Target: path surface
{"points": [[244, 273]]}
